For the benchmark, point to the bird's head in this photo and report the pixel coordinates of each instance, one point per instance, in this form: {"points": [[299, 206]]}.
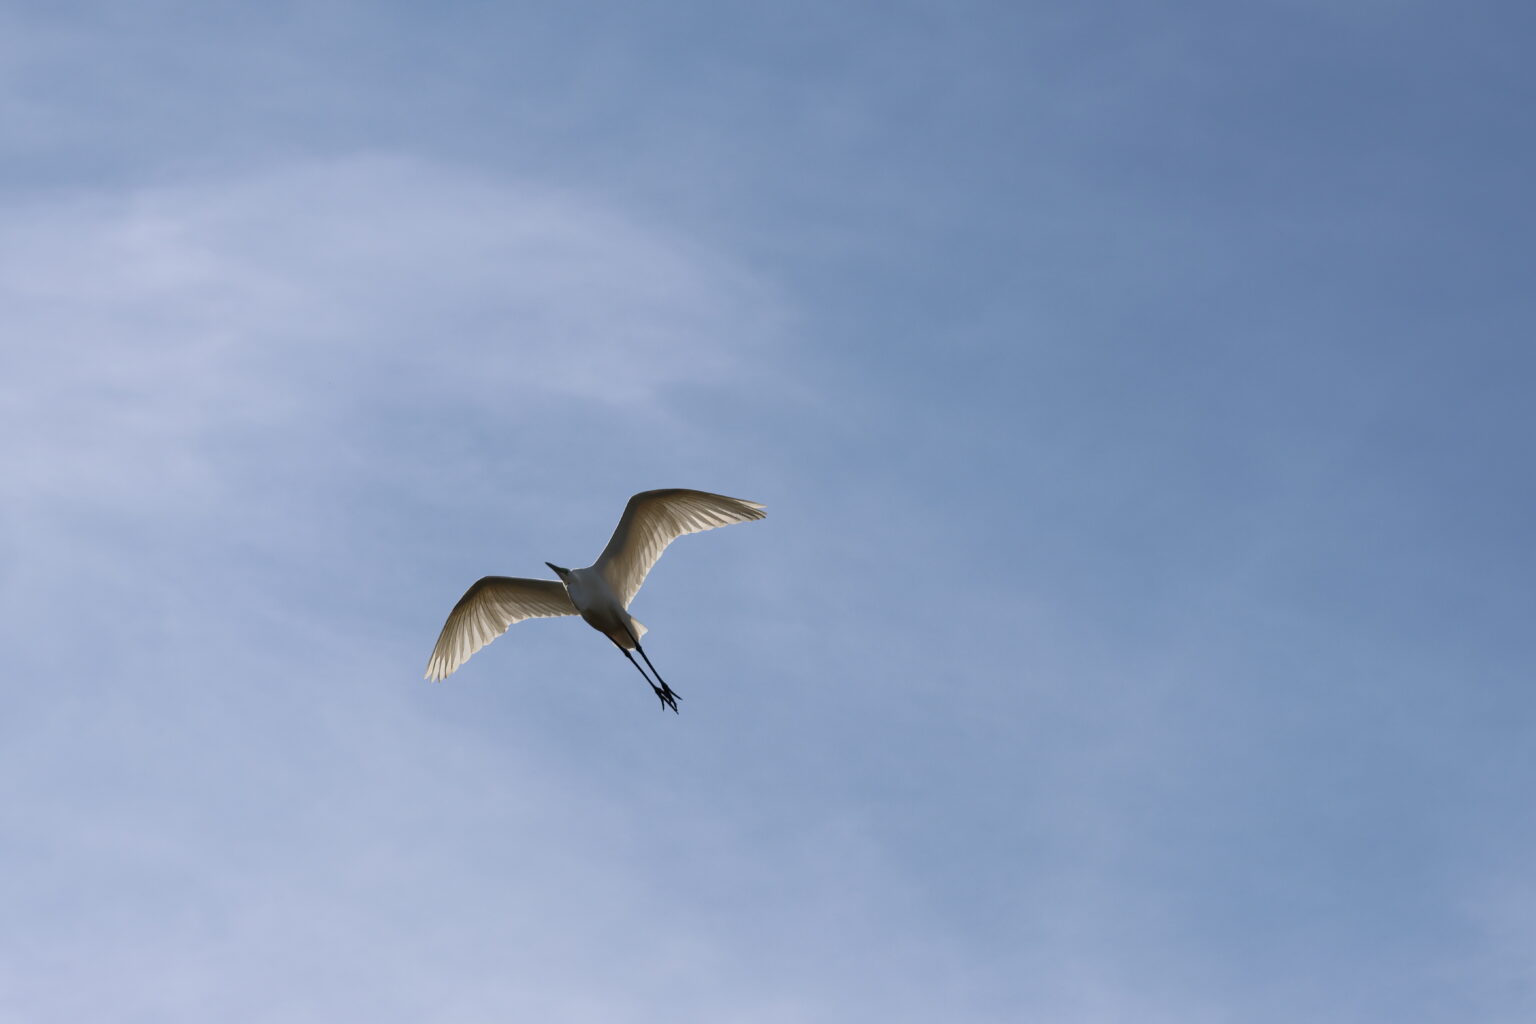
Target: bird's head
{"points": [[562, 573]]}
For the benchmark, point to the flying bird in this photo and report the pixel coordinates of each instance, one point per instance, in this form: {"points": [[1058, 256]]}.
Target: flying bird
{"points": [[600, 593]]}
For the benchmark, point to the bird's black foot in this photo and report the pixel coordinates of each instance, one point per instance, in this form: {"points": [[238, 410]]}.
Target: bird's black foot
{"points": [[668, 698]]}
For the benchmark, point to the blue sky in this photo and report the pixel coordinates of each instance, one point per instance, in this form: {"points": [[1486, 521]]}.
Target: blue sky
{"points": [[1141, 630]]}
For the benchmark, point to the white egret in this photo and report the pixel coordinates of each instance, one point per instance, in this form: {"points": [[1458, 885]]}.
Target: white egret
{"points": [[600, 593]]}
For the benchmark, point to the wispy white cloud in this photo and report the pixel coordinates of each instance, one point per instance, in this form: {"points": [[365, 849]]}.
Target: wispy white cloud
{"points": [[147, 324]]}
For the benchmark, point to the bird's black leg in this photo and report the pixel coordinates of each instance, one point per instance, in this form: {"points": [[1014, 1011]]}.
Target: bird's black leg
{"points": [[665, 688], [663, 692]]}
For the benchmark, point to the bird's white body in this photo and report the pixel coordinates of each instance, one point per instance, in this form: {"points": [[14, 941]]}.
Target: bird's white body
{"points": [[600, 607], [601, 592]]}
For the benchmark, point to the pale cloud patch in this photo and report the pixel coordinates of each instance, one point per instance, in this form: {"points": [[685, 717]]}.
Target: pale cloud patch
{"points": [[145, 325]]}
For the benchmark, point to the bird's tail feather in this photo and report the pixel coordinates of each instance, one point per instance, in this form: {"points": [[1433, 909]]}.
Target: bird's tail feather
{"points": [[627, 638]]}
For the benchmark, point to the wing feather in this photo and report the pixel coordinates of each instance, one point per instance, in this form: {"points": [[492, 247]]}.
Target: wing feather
{"points": [[484, 613], [654, 519]]}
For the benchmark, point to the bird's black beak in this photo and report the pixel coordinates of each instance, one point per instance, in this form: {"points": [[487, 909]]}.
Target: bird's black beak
{"points": [[555, 568]]}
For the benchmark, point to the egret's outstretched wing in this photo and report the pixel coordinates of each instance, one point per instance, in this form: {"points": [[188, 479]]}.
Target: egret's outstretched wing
{"points": [[654, 519], [484, 613]]}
